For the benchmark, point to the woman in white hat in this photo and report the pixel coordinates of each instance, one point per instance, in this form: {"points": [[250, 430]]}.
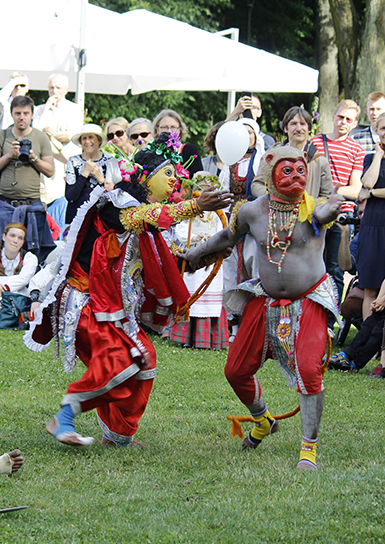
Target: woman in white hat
{"points": [[89, 169]]}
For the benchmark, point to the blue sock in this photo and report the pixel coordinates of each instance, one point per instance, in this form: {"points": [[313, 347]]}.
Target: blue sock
{"points": [[65, 418]]}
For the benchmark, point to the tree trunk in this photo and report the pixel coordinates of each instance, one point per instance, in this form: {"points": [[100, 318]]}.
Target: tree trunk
{"points": [[370, 74], [347, 36], [328, 62]]}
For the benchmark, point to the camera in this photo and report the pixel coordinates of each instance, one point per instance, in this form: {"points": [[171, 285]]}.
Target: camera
{"points": [[344, 220], [25, 148]]}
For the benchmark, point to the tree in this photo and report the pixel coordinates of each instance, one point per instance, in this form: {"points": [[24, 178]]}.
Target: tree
{"points": [[359, 30], [328, 66]]}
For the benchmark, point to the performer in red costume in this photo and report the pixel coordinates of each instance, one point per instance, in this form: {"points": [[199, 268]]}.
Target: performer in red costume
{"points": [[284, 313], [117, 268]]}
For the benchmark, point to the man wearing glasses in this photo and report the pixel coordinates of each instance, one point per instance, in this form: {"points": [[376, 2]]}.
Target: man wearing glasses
{"points": [[60, 119], [18, 85], [346, 159]]}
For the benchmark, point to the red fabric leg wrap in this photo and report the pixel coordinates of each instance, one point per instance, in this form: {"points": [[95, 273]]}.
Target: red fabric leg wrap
{"points": [[105, 350], [310, 346], [246, 352]]}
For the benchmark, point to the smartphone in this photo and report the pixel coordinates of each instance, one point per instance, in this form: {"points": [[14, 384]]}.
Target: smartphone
{"points": [[247, 113]]}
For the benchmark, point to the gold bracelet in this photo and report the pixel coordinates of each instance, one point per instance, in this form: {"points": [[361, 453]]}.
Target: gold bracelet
{"points": [[135, 218], [183, 210]]}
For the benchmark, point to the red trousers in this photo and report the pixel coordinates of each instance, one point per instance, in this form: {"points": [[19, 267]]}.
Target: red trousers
{"points": [[247, 352], [111, 382]]}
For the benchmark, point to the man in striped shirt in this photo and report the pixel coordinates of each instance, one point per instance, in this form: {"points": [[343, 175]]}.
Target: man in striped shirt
{"points": [[346, 159]]}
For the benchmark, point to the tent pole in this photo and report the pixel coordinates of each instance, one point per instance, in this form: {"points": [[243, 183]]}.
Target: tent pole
{"points": [[234, 35], [82, 56]]}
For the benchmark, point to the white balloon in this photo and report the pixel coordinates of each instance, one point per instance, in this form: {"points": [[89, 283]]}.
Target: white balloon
{"points": [[232, 142]]}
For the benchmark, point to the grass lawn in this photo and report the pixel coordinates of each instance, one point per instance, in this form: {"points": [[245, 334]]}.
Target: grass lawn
{"points": [[192, 484]]}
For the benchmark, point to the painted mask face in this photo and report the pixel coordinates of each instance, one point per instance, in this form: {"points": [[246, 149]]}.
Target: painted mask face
{"points": [[289, 177], [161, 185]]}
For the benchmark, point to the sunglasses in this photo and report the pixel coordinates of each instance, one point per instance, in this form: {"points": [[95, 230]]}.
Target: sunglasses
{"points": [[118, 133], [140, 135], [21, 85]]}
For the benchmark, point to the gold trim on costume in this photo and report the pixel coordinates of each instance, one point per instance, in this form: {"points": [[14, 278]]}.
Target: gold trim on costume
{"points": [[175, 249], [134, 218], [184, 210], [234, 215]]}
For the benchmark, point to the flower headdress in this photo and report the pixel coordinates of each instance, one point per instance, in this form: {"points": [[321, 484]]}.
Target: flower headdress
{"points": [[166, 149], [169, 149]]}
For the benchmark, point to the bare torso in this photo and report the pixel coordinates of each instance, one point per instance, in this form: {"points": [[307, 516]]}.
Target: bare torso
{"points": [[303, 265]]}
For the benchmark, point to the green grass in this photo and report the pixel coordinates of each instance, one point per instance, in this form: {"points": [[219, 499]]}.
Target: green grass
{"points": [[192, 484]]}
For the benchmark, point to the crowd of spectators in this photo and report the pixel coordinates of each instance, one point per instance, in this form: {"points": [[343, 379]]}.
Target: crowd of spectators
{"points": [[45, 179]]}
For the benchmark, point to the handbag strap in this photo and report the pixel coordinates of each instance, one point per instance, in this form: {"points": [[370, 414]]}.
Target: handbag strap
{"points": [[325, 141]]}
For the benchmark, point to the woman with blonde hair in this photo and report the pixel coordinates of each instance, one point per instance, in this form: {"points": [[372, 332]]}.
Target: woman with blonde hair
{"points": [[116, 130]]}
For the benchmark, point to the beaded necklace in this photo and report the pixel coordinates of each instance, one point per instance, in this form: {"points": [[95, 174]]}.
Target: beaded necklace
{"points": [[287, 215]]}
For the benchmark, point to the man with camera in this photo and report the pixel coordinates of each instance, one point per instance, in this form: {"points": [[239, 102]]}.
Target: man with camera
{"points": [[25, 153]]}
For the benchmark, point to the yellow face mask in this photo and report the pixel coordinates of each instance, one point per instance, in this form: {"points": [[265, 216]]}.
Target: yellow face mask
{"points": [[161, 184]]}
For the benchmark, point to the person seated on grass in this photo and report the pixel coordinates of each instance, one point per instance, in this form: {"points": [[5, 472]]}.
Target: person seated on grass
{"points": [[351, 307], [16, 266], [366, 343], [11, 462]]}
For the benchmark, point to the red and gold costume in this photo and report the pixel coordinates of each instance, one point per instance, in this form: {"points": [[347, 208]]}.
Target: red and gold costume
{"points": [[95, 309]]}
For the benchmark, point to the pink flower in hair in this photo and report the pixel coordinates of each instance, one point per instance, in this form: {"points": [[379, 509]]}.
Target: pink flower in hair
{"points": [[173, 140], [182, 172]]}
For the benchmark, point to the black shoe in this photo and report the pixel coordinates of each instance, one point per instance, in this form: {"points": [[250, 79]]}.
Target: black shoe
{"points": [[23, 326], [339, 362]]}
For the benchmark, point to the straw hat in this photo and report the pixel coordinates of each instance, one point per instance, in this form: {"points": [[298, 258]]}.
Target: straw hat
{"points": [[90, 128]]}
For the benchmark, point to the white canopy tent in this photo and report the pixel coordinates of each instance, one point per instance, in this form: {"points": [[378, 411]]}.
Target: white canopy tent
{"points": [[202, 61], [174, 56]]}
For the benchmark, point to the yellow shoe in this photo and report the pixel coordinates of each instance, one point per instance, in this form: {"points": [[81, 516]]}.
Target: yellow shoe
{"points": [[308, 455], [264, 425]]}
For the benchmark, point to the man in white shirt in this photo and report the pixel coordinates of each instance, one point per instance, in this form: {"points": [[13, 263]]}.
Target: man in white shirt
{"points": [[18, 85], [60, 119]]}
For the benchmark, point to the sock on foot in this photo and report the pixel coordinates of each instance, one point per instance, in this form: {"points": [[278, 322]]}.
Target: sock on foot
{"points": [[65, 418], [262, 427]]}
